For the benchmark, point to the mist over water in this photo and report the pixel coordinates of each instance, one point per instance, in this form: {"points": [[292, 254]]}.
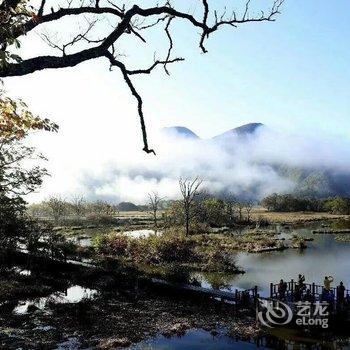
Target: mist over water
{"points": [[249, 165]]}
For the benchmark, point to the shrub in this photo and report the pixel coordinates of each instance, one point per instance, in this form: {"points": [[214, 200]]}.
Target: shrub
{"points": [[290, 203], [118, 244], [100, 243], [141, 250], [262, 222], [12, 221], [65, 249], [175, 249], [153, 249], [177, 274], [217, 259], [338, 205], [113, 243]]}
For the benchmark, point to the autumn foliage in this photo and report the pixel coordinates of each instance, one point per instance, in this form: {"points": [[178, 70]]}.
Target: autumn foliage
{"points": [[16, 120]]}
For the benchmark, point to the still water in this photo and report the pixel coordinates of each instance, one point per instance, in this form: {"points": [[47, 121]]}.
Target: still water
{"points": [[200, 340], [86, 240], [73, 294], [324, 256], [140, 233]]}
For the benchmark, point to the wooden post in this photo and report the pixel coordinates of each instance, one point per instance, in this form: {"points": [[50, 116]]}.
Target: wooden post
{"points": [[313, 289], [271, 290], [292, 288], [236, 302], [336, 295], [257, 309]]}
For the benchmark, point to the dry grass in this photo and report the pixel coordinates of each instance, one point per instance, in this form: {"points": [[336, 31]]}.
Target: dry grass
{"points": [[135, 215], [343, 238], [258, 212], [253, 241], [293, 218]]}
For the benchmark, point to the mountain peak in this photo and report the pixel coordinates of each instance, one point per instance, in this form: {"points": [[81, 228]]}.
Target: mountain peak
{"points": [[249, 128], [180, 131], [244, 130]]}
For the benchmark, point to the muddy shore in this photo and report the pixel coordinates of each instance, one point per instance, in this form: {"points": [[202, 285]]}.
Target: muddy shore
{"points": [[114, 317]]}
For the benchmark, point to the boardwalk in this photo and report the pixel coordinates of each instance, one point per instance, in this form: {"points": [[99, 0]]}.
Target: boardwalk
{"points": [[316, 291], [241, 298], [250, 300]]}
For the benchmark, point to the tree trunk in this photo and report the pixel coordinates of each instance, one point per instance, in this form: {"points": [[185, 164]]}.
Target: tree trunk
{"points": [[187, 224], [155, 220]]}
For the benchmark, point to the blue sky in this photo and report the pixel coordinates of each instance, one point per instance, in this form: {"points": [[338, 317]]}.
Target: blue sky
{"points": [[291, 74]]}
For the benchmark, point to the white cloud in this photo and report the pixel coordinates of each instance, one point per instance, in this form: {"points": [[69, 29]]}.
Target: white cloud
{"points": [[117, 170]]}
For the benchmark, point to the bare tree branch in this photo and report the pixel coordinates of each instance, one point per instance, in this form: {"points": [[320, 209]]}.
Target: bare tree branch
{"points": [[170, 44], [43, 62], [127, 21], [127, 79], [154, 65]]}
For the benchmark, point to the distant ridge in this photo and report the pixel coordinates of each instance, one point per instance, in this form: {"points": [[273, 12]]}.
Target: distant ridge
{"points": [[244, 130], [180, 131], [309, 181], [127, 206]]}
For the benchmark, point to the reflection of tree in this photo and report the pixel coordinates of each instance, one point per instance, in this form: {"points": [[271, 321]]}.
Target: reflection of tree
{"points": [[219, 280]]}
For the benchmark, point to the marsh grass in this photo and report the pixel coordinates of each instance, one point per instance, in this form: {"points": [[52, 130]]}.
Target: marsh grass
{"points": [[293, 217], [194, 252]]}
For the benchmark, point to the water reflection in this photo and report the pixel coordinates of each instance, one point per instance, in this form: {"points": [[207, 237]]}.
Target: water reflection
{"points": [[140, 233], [215, 280], [21, 271], [74, 294], [200, 339], [84, 241], [87, 241], [69, 344]]}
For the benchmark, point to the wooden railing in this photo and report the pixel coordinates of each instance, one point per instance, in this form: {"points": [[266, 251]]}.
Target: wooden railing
{"points": [[292, 286]]}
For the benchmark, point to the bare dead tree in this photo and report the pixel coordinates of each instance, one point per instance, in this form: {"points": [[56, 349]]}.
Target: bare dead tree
{"points": [[154, 204], [19, 17], [248, 208], [230, 203], [78, 205], [239, 208], [102, 207], [57, 206], [189, 190]]}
